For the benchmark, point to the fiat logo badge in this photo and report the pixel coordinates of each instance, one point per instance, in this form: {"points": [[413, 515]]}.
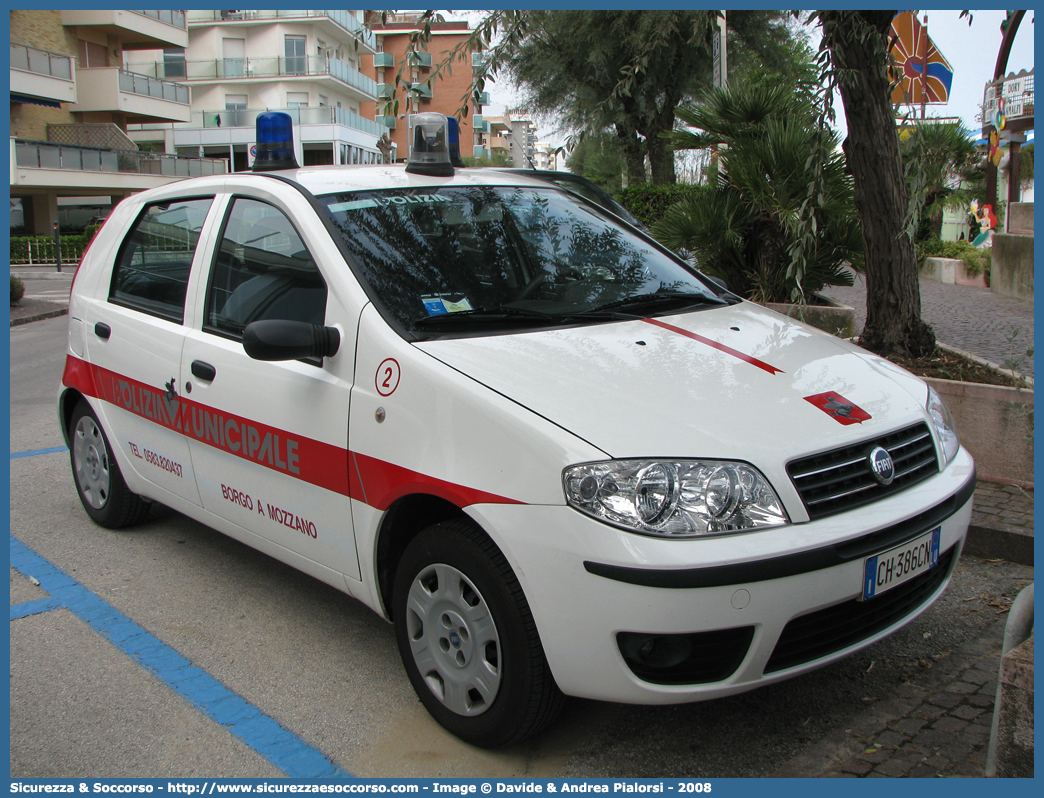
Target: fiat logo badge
{"points": [[881, 465]]}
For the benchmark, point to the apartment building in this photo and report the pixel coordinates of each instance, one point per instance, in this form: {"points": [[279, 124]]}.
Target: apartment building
{"points": [[419, 91], [545, 156], [242, 63], [72, 101], [514, 138]]}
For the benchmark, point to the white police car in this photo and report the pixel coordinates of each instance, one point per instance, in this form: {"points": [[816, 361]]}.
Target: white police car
{"points": [[556, 457]]}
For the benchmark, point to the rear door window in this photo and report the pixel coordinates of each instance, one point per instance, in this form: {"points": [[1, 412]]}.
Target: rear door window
{"points": [[152, 269]]}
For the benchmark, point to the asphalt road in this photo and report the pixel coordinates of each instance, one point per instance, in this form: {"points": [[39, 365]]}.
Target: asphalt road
{"points": [[326, 669]]}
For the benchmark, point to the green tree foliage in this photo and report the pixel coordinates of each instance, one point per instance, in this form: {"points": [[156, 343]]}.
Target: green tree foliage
{"points": [[598, 158], [626, 71], [744, 228]]}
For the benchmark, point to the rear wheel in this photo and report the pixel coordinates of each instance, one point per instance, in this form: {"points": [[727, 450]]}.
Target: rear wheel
{"points": [[99, 483], [467, 638]]}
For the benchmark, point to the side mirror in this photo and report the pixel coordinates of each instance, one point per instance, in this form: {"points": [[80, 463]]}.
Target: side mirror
{"points": [[717, 281], [280, 339]]}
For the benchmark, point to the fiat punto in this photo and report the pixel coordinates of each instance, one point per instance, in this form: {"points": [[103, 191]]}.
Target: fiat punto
{"points": [[558, 458]]}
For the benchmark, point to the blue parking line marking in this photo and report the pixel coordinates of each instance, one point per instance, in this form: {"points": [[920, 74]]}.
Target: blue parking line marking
{"points": [[284, 749], [34, 452], [36, 607]]}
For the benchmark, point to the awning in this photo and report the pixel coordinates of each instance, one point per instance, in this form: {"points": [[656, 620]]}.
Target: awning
{"points": [[26, 100]]}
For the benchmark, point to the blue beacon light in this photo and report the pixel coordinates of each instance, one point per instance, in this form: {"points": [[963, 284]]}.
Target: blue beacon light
{"points": [[275, 142]]}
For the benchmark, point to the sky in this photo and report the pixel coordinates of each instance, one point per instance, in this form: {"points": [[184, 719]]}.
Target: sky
{"points": [[971, 50]]}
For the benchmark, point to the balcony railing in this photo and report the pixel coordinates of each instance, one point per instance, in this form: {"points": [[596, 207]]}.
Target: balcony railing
{"points": [[175, 18], [47, 155], [247, 117], [273, 67], [42, 62], [342, 18], [154, 87], [1017, 91]]}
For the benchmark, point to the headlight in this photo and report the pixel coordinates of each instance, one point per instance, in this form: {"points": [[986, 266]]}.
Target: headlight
{"points": [[945, 429], [675, 498]]}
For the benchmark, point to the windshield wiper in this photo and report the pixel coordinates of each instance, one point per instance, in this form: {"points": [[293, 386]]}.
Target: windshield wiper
{"points": [[658, 301], [507, 313]]}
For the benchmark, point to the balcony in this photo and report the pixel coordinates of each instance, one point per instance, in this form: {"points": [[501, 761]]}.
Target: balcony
{"points": [[139, 97], [136, 30], [385, 91], [1017, 91], [39, 74], [385, 60], [422, 90], [420, 59], [478, 61], [247, 117], [483, 98], [499, 143], [335, 23], [43, 164], [314, 67], [480, 152], [480, 124], [386, 121]]}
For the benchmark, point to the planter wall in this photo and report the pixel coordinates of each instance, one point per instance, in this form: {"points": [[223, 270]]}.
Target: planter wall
{"points": [[834, 318], [951, 271], [995, 424]]}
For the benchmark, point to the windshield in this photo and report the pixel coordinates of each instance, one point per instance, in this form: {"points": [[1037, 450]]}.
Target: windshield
{"points": [[481, 258]]}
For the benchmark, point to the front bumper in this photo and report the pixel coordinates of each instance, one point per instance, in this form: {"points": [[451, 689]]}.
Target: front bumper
{"points": [[588, 582]]}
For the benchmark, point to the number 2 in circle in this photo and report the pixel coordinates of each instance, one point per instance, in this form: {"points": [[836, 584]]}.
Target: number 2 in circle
{"points": [[387, 378]]}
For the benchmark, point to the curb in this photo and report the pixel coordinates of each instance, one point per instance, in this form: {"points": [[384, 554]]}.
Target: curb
{"points": [[50, 314], [991, 543]]}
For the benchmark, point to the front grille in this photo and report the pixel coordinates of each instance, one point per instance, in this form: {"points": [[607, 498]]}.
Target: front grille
{"points": [[836, 481], [823, 632], [694, 658]]}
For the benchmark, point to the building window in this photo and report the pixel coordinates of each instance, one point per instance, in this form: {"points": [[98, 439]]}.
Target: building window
{"points": [[174, 63], [296, 99], [322, 101], [295, 55], [92, 54]]}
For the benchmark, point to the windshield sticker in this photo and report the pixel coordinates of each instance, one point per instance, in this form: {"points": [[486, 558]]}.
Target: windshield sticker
{"points": [[337, 207], [441, 304]]}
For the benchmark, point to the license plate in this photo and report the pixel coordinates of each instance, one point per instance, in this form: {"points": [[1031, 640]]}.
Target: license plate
{"points": [[884, 571]]}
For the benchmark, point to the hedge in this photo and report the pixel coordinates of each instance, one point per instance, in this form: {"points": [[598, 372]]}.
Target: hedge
{"points": [[43, 246], [650, 202]]}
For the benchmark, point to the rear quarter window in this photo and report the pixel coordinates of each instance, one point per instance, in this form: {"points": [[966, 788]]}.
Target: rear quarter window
{"points": [[152, 268]]}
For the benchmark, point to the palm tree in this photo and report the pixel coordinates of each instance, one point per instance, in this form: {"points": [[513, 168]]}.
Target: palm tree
{"points": [[943, 170], [746, 225]]}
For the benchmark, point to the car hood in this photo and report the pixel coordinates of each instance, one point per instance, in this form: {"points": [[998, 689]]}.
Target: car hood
{"points": [[730, 382]]}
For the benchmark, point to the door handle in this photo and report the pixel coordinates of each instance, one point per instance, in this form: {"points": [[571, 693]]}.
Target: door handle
{"points": [[203, 371], [102, 330]]}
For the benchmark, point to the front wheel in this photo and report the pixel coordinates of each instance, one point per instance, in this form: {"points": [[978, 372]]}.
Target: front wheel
{"points": [[99, 483], [467, 638]]}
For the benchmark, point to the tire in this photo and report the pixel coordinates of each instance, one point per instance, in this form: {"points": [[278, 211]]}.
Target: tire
{"points": [[467, 638], [99, 483]]}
